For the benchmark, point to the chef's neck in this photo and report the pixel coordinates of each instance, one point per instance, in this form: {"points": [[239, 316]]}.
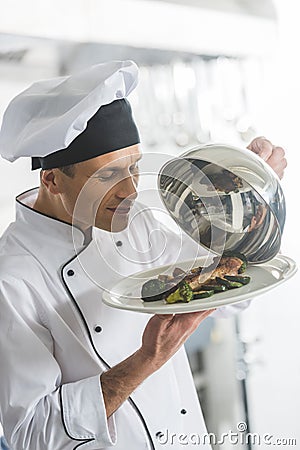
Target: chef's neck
{"points": [[52, 205]]}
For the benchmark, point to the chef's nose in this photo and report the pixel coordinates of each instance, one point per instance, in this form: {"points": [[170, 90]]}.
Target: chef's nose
{"points": [[127, 188]]}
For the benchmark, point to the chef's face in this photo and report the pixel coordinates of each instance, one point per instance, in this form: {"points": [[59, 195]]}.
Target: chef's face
{"points": [[103, 189]]}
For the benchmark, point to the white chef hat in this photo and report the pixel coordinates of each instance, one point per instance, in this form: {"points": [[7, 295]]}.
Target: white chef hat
{"points": [[69, 119]]}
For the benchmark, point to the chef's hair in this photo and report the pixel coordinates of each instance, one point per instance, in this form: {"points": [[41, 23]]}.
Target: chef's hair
{"points": [[68, 170]]}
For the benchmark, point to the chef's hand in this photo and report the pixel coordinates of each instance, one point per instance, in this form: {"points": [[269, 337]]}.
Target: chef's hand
{"points": [[273, 155], [163, 336], [166, 333]]}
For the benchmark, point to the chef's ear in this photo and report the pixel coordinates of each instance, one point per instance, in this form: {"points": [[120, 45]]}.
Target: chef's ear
{"points": [[49, 180]]}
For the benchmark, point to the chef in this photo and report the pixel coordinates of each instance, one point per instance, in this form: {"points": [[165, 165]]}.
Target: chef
{"points": [[75, 372]]}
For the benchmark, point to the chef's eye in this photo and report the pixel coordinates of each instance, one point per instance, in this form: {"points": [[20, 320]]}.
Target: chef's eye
{"points": [[106, 176]]}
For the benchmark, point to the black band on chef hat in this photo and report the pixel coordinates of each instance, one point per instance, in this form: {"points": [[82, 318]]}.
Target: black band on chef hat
{"points": [[111, 128]]}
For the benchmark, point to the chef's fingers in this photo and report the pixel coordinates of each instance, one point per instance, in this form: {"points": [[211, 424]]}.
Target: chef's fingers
{"points": [[262, 147], [165, 316], [191, 315], [278, 161], [190, 321], [185, 320], [272, 154]]}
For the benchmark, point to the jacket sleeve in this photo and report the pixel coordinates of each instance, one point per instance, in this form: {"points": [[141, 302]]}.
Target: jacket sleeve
{"points": [[36, 410]]}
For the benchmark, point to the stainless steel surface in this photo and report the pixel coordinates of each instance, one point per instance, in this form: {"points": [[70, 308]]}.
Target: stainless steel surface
{"points": [[225, 198]]}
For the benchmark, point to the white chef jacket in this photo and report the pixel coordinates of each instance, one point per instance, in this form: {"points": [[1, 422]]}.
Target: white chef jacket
{"points": [[57, 337]]}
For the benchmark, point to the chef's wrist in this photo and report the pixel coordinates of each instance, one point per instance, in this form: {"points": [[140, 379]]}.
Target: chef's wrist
{"points": [[148, 362], [120, 381]]}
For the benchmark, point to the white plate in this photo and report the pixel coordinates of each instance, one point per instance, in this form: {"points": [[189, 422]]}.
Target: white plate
{"points": [[126, 293]]}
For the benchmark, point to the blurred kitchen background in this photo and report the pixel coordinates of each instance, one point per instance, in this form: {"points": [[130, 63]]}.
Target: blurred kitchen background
{"points": [[210, 71]]}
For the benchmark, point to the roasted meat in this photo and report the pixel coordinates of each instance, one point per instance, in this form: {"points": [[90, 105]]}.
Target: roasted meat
{"points": [[227, 266]]}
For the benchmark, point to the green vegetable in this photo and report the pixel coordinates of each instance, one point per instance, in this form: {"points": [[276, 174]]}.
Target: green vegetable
{"points": [[202, 294], [183, 293], [153, 290], [244, 280], [228, 284], [213, 287]]}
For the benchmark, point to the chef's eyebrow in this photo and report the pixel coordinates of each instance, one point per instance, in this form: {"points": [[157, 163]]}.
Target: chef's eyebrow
{"points": [[109, 168], [112, 168]]}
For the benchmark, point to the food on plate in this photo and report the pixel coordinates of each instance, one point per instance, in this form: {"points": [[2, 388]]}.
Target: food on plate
{"points": [[153, 290], [228, 284], [203, 294], [243, 280], [199, 282], [240, 256], [213, 287], [228, 265], [183, 293]]}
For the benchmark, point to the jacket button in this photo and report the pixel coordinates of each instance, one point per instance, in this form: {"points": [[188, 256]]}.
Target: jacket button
{"points": [[70, 272], [98, 329], [119, 243], [183, 411]]}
